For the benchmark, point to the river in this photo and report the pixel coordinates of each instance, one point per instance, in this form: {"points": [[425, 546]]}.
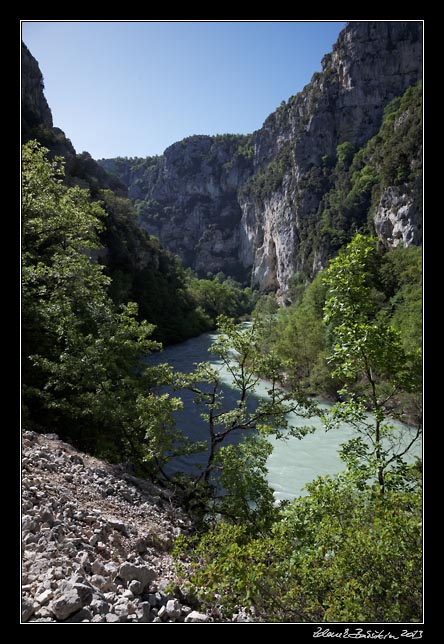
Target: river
{"points": [[293, 462]]}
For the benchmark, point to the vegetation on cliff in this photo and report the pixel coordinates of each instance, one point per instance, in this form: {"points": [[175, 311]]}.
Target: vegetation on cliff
{"points": [[393, 157]]}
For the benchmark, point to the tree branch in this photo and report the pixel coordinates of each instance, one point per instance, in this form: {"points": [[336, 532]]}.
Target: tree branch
{"points": [[414, 439]]}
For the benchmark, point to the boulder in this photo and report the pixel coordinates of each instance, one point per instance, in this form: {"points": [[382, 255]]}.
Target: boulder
{"points": [[136, 587], [83, 615], [98, 568], [85, 592], [173, 608], [103, 583], [98, 619], [194, 617], [44, 597], [99, 606], [128, 572], [27, 608], [66, 604], [143, 612]]}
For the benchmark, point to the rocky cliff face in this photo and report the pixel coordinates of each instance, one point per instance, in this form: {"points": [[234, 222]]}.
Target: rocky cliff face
{"points": [[371, 63], [188, 198], [35, 109], [398, 217], [253, 207]]}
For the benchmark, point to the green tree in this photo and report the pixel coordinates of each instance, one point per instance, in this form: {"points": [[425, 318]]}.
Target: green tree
{"points": [[219, 296], [344, 153], [240, 470], [298, 335], [401, 279], [83, 372], [368, 355]]}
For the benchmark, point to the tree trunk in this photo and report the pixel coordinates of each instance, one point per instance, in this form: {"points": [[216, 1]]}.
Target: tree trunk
{"points": [[211, 456]]}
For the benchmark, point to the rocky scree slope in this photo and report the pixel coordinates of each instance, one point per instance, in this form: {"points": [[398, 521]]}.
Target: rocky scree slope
{"points": [[96, 541], [252, 206]]}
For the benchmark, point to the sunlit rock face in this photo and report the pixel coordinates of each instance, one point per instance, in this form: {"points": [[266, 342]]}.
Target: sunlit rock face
{"points": [[250, 205]]}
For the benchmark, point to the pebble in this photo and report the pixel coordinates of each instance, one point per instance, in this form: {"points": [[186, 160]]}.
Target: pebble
{"points": [[144, 574], [44, 597]]}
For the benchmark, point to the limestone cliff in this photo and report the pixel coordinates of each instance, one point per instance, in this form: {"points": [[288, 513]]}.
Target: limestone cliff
{"points": [[398, 218], [188, 198], [371, 64], [252, 207]]}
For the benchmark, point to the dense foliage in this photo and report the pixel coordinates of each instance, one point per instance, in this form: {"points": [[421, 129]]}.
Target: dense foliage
{"points": [[219, 296], [378, 372], [299, 332], [83, 375], [336, 555], [350, 550], [391, 158]]}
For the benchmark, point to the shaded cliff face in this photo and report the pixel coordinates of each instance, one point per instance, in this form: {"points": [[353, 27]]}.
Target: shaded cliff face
{"points": [[35, 109], [256, 207], [37, 123], [188, 198]]}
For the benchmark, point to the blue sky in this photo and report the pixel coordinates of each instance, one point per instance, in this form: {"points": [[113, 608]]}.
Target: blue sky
{"points": [[134, 88]]}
